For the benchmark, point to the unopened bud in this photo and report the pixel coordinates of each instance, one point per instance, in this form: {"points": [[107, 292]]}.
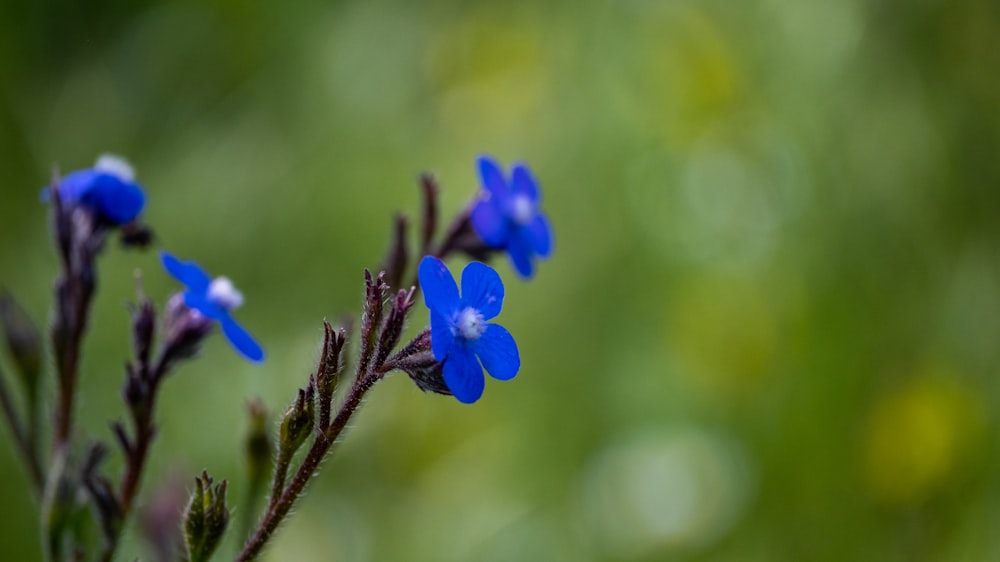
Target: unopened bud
{"points": [[205, 519], [143, 326], [297, 423], [462, 238], [417, 361], [327, 374], [184, 328], [425, 372], [398, 255], [257, 447], [136, 235]]}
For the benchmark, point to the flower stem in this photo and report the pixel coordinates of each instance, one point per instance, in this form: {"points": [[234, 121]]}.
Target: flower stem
{"points": [[67, 363], [136, 462], [280, 508], [280, 473], [144, 433], [137, 448], [78, 240]]}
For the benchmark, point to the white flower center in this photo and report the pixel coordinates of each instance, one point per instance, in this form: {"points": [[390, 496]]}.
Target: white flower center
{"points": [[522, 210], [469, 324], [116, 166], [223, 293]]}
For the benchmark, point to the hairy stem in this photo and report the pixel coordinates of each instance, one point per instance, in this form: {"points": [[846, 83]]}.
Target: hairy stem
{"points": [[280, 508], [280, 473]]}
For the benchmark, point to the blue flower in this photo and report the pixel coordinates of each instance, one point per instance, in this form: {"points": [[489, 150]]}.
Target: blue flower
{"points": [[461, 338], [508, 217], [109, 189], [213, 299]]}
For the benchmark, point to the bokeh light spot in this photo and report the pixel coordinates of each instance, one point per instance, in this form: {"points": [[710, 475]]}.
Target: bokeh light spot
{"points": [[660, 491]]}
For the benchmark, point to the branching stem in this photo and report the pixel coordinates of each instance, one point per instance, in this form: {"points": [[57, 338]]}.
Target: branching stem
{"points": [[324, 440]]}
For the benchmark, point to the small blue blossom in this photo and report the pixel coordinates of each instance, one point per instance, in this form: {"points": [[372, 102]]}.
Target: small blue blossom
{"points": [[461, 338], [109, 189], [507, 216], [213, 299]]}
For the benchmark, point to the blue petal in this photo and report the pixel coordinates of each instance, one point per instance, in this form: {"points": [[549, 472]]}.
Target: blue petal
{"points": [[115, 200], [440, 290], [442, 338], [241, 340], [463, 375], [519, 250], [541, 235], [489, 223], [482, 289], [523, 183], [498, 352], [188, 273], [492, 177], [201, 303], [74, 185]]}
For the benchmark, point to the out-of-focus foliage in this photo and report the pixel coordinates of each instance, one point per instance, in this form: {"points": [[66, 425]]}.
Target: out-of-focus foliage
{"points": [[769, 330]]}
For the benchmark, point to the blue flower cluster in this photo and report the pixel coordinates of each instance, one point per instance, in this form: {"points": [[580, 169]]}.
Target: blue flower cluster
{"points": [[506, 217], [110, 192]]}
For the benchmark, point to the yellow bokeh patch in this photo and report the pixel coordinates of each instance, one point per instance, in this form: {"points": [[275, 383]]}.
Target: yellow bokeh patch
{"points": [[917, 436], [691, 78], [723, 333], [489, 73]]}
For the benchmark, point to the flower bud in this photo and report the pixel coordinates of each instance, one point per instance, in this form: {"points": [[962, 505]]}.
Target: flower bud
{"points": [[136, 235], [205, 519], [462, 238], [425, 372], [398, 256], [417, 361], [185, 329], [327, 374], [143, 326], [392, 328], [257, 447], [297, 423]]}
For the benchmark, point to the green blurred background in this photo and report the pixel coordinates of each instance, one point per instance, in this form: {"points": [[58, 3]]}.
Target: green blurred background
{"points": [[768, 332]]}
